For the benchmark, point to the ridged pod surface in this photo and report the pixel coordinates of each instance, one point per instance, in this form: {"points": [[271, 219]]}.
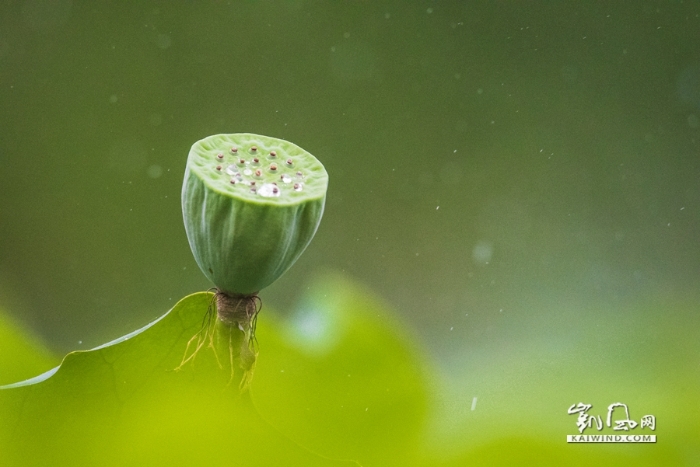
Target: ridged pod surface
{"points": [[251, 205]]}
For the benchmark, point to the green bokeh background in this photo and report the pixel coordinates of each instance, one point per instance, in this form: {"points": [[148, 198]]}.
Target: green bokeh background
{"points": [[520, 182]]}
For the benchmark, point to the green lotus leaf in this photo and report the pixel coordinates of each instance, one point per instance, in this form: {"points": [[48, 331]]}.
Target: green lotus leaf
{"points": [[124, 403], [337, 380]]}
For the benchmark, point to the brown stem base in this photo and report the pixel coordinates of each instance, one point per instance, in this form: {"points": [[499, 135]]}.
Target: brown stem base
{"points": [[234, 314]]}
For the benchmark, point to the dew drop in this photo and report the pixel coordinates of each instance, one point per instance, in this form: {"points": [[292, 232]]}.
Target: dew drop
{"points": [[253, 190], [300, 175], [248, 172], [269, 190], [286, 178], [231, 170], [298, 187]]}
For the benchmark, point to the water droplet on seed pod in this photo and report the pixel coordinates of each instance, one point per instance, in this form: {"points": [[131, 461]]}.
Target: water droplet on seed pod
{"points": [[286, 178], [298, 187], [269, 190], [231, 170]]}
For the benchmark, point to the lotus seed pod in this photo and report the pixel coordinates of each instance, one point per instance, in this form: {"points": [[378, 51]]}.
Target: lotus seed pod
{"points": [[251, 205]]}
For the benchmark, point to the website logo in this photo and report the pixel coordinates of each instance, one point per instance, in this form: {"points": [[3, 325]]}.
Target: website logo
{"points": [[618, 418]]}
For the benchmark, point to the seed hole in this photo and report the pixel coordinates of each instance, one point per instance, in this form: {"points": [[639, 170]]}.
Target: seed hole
{"points": [[234, 150], [219, 156]]}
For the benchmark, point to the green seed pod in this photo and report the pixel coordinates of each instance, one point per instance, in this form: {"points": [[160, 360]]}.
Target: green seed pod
{"points": [[251, 205]]}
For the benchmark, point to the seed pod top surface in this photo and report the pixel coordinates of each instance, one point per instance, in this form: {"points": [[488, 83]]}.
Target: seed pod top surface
{"points": [[265, 162], [251, 204]]}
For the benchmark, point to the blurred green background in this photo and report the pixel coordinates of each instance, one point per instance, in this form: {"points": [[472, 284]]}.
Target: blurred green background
{"points": [[519, 181]]}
